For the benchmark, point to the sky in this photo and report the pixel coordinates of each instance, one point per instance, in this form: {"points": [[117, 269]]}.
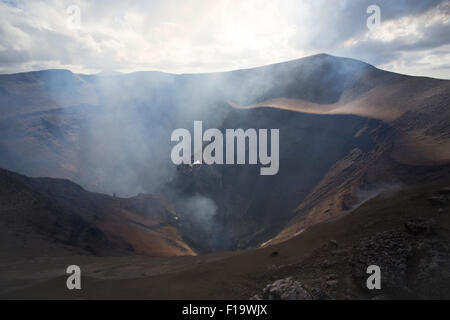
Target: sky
{"points": [[193, 36]]}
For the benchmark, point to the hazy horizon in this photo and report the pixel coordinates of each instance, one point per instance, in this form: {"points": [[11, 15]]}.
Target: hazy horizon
{"points": [[115, 73]]}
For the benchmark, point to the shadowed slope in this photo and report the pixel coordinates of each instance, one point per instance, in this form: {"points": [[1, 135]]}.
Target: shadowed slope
{"points": [[43, 216]]}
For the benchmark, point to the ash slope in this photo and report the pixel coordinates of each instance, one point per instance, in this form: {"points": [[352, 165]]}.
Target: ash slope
{"points": [[43, 217], [369, 234]]}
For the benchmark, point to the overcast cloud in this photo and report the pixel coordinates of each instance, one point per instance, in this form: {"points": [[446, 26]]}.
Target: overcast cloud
{"points": [[204, 36]]}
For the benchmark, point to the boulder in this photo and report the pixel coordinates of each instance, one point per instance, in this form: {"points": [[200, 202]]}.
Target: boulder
{"points": [[285, 289]]}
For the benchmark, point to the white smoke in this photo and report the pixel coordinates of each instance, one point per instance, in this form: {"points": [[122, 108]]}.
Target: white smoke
{"points": [[201, 210]]}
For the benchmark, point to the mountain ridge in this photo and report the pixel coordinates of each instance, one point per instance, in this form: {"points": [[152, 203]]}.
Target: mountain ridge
{"points": [[68, 219], [111, 134]]}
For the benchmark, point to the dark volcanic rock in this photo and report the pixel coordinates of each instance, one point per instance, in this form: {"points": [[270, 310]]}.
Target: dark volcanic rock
{"points": [[319, 294], [414, 264], [388, 250], [420, 225], [445, 190], [285, 289], [438, 200]]}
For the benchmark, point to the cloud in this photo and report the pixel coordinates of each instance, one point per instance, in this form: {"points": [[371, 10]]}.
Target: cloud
{"points": [[405, 43], [205, 36]]}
